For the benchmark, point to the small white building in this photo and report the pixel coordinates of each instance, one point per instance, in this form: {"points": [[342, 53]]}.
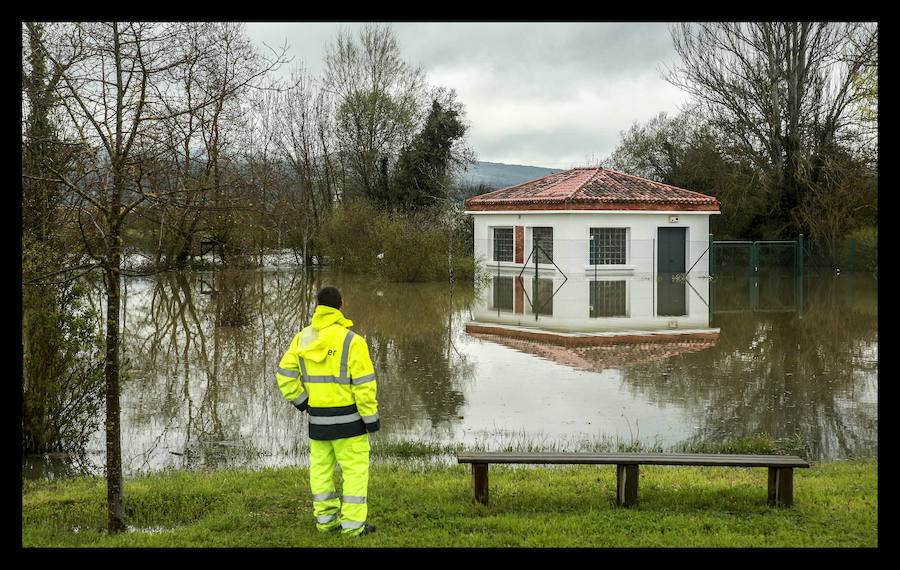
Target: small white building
{"points": [[592, 222]]}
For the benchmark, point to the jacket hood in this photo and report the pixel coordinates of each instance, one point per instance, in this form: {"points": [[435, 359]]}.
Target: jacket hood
{"points": [[326, 316], [314, 345]]}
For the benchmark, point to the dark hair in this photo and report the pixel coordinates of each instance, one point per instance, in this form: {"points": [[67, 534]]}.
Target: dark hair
{"points": [[330, 297]]}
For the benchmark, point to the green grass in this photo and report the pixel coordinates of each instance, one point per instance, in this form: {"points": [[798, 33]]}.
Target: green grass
{"points": [[429, 504]]}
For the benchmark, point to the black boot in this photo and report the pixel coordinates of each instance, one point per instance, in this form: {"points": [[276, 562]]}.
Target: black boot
{"points": [[367, 529]]}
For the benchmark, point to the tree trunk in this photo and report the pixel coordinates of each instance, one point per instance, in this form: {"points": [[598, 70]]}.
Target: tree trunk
{"points": [[115, 494]]}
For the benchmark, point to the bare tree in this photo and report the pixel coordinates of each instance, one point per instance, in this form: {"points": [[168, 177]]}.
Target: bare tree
{"points": [[263, 175], [305, 140], [204, 144], [781, 92], [378, 104], [118, 89]]}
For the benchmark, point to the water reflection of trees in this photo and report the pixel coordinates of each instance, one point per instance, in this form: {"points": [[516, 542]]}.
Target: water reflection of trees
{"points": [[784, 374], [198, 388], [409, 329], [204, 394]]}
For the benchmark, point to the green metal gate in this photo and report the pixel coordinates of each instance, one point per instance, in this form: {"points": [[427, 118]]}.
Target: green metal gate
{"points": [[773, 270], [765, 254]]}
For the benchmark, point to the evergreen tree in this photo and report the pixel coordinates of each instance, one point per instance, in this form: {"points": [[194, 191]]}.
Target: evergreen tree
{"points": [[425, 167]]}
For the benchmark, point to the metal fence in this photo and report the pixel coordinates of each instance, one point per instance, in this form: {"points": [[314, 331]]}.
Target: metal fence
{"points": [[707, 257], [819, 256], [850, 255]]}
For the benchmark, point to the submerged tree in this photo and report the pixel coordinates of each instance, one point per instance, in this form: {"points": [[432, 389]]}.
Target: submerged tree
{"points": [[300, 126]]}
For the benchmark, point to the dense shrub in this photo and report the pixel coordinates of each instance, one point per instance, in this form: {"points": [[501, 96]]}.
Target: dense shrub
{"points": [[359, 238], [62, 360]]}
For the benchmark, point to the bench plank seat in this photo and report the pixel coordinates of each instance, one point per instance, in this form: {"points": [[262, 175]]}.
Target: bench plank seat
{"points": [[780, 468]]}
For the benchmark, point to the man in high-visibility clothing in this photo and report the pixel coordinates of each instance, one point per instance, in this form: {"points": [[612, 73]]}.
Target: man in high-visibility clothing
{"points": [[328, 373]]}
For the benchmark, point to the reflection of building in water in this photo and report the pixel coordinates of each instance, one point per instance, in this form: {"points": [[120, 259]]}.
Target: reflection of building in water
{"points": [[593, 222], [586, 305], [593, 324]]}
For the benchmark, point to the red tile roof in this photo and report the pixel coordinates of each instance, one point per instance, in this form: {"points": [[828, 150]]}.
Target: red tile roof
{"points": [[592, 189]]}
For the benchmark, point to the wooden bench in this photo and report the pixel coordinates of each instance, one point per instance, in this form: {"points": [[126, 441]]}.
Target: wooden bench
{"points": [[781, 469]]}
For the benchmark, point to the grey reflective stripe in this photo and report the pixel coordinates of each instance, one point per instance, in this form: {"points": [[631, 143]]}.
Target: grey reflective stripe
{"points": [[303, 367], [289, 373], [325, 519], [345, 354], [324, 496], [354, 499], [364, 379], [326, 380], [370, 419], [333, 420], [352, 525], [301, 399]]}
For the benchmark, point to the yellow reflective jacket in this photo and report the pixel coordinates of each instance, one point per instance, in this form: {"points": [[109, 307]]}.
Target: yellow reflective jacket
{"points": [[327, 372]]}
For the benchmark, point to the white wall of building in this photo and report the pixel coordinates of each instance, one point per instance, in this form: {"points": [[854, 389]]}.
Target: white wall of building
{"points": [[571, 239]]}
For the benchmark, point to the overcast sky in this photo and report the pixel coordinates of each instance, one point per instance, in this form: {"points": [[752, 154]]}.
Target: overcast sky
{"points": [[556, 95]]}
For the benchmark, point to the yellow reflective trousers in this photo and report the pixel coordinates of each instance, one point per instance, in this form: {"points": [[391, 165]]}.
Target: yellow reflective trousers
{"points": [[349, 509]]}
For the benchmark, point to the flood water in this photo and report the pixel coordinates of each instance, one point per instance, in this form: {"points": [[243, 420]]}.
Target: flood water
{"points": [[547, 362]]}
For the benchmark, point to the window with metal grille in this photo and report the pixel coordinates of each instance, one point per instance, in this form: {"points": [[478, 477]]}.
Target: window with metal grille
{"points": [[503, 244], [607, 246], [607, 299], [543, 238]]}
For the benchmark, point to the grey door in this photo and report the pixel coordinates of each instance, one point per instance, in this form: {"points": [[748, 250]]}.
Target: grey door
{"points": [[670, 254], [670, 250]]}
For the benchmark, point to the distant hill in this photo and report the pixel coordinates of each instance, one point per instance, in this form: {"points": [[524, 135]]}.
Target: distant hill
{"points": [[498, 175]]}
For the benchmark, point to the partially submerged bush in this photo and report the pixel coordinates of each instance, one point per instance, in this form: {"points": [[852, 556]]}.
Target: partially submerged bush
{"points": [[359, 238]]}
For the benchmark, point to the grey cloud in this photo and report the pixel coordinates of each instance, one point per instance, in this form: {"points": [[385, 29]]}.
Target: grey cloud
{"points": [[542, 73]]}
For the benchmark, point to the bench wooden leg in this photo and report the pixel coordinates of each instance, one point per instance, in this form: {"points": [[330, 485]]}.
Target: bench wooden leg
{"points": [[781, 486], [626, 485], [480, 482]]}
